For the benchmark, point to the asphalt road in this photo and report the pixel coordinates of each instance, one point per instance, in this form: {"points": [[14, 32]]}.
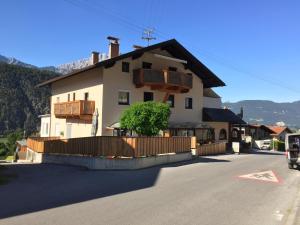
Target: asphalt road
{"points": [[204, 191]]}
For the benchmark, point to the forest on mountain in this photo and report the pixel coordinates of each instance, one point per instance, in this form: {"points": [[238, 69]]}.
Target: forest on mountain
{"points": [[20, 101]]}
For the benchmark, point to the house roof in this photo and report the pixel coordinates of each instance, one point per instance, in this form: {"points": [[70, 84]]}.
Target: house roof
{"points": [[22, 142], [278, 129], [221, 115], [208, 92], [172, 46]]}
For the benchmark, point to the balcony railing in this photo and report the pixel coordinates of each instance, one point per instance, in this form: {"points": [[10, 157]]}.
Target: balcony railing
{"points": [[75, 109], [165, 80]]}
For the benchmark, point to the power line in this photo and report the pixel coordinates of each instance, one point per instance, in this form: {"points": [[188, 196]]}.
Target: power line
{"points": [[148, 37]]}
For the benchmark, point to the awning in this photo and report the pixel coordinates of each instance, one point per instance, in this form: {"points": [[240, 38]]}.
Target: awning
{"points": [[115, 125], [187, 125], [22, 142], [221, 115], [172, 125]]}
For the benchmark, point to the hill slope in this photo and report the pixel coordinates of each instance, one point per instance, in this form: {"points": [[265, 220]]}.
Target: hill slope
{"points": [[20, 101], [268, 112]]}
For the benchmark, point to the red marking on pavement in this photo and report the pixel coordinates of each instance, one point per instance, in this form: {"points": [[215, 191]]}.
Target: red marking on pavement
{"points": [[265, 176]]}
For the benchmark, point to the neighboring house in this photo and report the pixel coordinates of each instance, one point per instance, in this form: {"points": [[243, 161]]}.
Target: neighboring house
{"points": [[91, 100], [279, 132], [263, 132], [22, 145], [258, 132], [45, 125]]}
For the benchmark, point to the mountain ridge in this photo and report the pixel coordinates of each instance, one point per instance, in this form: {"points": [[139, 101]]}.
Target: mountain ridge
{"points": [[62, 68], [268, 112]]}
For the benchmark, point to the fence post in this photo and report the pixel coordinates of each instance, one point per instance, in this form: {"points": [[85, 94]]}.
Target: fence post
{"points": [[194, 145]]}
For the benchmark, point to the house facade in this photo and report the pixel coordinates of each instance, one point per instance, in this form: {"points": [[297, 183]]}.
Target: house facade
{"points": [[263, 132], [90, 101]]}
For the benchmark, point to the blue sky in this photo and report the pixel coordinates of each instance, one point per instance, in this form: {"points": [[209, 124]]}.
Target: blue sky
{"points": [[253, 46]]}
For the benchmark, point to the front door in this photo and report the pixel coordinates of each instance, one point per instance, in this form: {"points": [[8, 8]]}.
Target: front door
{"points": [[69, 131]]}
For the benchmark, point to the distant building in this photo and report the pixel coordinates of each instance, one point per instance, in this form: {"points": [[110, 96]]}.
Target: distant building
{"points": [[262, 132]]}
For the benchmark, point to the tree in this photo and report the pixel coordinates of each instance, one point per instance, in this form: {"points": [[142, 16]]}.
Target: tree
{"points": [[146, 118], [11, 140]]}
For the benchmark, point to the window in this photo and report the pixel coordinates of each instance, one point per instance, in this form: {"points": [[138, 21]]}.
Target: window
{"points": [[186, 132], [223, 134], [147, 65], [68, 97], [125, 67], [57, 99], [171, 101], [148, 96], [74, 96], [205, 135], [235, 133], [188, 103], [172, 68], [86, 96], [123, 98], [46, 128]]}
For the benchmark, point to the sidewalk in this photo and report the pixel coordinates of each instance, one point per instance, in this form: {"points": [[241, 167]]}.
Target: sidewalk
{"points": [[294, 216]]}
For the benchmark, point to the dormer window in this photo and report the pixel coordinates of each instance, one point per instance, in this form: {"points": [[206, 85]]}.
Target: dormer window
{"points": [[147, 65], [171, 68], [125, 67]]}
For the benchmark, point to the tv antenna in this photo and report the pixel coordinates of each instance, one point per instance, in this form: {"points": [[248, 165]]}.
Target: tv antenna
{"points": [[147, 35]]}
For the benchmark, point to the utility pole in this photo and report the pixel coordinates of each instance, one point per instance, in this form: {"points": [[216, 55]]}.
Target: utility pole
{"points": [[147, 35]]}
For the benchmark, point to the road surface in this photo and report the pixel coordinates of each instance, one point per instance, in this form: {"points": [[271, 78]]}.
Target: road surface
{"points": [[203, 191]]}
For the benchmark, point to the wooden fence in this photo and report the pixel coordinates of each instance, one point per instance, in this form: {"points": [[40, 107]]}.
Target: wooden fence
{"points": [[211, 149], [112, 146], [37, 143]]}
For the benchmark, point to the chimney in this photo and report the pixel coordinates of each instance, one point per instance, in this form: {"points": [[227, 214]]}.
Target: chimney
{"points": [[95, 57], [113, 50]]}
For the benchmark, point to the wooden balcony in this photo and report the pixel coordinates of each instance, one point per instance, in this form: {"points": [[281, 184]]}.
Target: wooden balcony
{"points": [[80, 109], [163, 80]]}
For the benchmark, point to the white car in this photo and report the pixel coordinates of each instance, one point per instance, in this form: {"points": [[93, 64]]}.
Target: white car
{"points": [[266, 145]]}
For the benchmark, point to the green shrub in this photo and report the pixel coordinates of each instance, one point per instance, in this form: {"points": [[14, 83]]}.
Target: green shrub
{"points": [[146, 118], [278, 145], [11, 140]]}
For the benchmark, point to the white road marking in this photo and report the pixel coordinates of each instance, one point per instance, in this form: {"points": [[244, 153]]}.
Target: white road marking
{"points": [[268, 176], [279, 216]]}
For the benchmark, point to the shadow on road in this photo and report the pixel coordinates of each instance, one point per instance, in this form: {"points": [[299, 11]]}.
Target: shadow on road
{"points": [[44, 186]]}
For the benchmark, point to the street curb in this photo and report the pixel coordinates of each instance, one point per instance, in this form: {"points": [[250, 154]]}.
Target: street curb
{"points": [[294, 216]]}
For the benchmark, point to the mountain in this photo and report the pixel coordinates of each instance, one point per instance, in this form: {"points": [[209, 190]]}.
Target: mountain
{"points": [[20, 101], [63, 68], [14, 61], [268, 112]]}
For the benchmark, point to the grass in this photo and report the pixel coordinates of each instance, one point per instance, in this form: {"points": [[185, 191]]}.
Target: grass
{"points": [[7, 158], [3, 140]]}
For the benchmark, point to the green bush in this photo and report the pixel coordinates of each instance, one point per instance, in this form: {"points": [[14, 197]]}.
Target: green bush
{"points": [[278, 145], [146, 118], [3, 149], [11, 140]]}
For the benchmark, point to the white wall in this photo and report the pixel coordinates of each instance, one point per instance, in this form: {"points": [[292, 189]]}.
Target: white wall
{"points": [[209, 102], [88, 81], [114, 80]]}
